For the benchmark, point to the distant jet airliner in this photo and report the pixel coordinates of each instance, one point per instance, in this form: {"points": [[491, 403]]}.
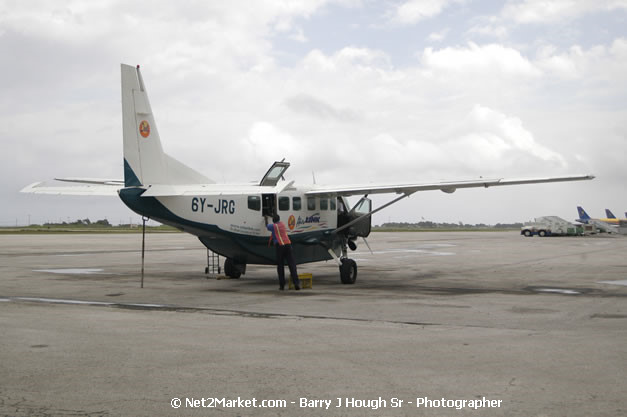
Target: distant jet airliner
{"points": [[229, 218], [607, 225], [611, 218]]}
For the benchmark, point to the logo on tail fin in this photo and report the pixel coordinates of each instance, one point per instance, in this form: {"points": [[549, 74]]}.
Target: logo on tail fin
{"points": [[144, 129]]}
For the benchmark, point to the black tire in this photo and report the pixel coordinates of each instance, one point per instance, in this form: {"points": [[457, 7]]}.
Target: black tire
{"points": [[230, 270], [542, 233], [348, 271], [527, 233], [352, 245]]}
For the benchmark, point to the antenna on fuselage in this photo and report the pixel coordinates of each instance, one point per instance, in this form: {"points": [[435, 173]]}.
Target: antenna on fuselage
{"points": [[313, 175]]}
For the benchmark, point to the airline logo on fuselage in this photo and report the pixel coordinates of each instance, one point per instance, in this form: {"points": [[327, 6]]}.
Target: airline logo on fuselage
{"points": [[309, 219], [291, 222], [309, 223], [144, 129]]}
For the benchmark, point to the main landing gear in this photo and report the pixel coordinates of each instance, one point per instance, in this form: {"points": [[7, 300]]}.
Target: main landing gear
{"points": [[232, 269]]}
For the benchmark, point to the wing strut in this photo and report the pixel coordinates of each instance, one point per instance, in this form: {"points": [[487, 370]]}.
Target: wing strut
{"points": [[367, 215]]}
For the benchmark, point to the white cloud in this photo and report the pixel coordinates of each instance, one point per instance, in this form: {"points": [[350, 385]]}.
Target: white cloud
{"points": [[488, 59], [169, 35], [348, 57], [438, 36], [562, 65], [599, 64], [492, 30], [507, 133], [547, 11], [298, 35], [269, 143], [413, 11], [309, 105]]}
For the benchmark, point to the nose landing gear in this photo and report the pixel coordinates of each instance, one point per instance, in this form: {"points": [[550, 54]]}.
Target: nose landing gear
{"points": [[348, 271]]}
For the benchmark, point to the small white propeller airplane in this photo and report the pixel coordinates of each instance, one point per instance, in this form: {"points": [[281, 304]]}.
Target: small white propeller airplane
{"points": [[229, 218]]}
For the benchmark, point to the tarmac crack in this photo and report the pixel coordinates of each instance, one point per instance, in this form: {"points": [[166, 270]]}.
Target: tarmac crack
{"points": [[16, 407]]}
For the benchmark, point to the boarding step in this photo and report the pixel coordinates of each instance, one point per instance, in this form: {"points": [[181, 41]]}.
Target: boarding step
{"points": [[213, 269]]}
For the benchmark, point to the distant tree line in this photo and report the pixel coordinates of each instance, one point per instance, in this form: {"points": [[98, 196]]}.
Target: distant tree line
{"points": [[433, 225], [83, 222]]}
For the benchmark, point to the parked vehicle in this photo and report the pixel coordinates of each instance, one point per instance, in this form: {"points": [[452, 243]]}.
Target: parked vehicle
{"points": [[551, 226]]}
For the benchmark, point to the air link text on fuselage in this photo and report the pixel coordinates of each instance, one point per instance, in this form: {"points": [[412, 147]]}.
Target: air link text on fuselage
{"points": [[233, 403]]}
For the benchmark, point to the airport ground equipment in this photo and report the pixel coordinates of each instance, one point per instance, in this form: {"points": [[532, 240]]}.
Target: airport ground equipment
{"points": [[306, 281], [551, 226]]}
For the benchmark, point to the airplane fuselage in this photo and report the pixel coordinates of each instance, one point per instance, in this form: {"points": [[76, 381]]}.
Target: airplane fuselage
{"points": [[233, 225]]}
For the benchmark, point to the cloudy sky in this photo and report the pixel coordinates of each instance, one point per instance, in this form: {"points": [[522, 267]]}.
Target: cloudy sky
{"points": [[351, 90]]}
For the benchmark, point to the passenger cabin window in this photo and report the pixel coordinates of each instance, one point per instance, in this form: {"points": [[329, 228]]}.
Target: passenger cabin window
{"points": [[324, 204], [284, 203], [254, 202], [332, 204], [311, 203], [296, 203]]}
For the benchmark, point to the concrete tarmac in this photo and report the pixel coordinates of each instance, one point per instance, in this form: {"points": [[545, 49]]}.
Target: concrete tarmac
{"points": [[451, 324]]}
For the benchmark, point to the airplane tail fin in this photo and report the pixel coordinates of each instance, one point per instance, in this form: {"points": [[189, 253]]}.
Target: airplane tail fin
{"points": [[582, 213], [144, 160], [609, 214]]}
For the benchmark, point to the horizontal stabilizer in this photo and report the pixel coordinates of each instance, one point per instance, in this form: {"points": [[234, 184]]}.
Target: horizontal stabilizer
{"points": [[89, 189], [92, 181]]}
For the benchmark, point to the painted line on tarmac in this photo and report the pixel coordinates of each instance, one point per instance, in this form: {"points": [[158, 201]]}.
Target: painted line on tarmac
{"points": [[79, 271], [225, 312], [619, 282], [83, 302]]}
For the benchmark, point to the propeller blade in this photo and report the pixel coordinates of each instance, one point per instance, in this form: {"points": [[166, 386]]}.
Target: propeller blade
{"points": [[367, 244]]}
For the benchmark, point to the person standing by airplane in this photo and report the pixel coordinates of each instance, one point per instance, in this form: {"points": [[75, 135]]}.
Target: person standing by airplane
{"points": [[283, 251]]}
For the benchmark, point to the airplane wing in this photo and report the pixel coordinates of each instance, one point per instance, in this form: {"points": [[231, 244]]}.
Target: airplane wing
{"points": [[445, 186], [89, 186]]}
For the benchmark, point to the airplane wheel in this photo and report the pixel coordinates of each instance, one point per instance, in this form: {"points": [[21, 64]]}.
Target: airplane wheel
{"points": [[348, 271], [352, 245], [230, 270]]}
